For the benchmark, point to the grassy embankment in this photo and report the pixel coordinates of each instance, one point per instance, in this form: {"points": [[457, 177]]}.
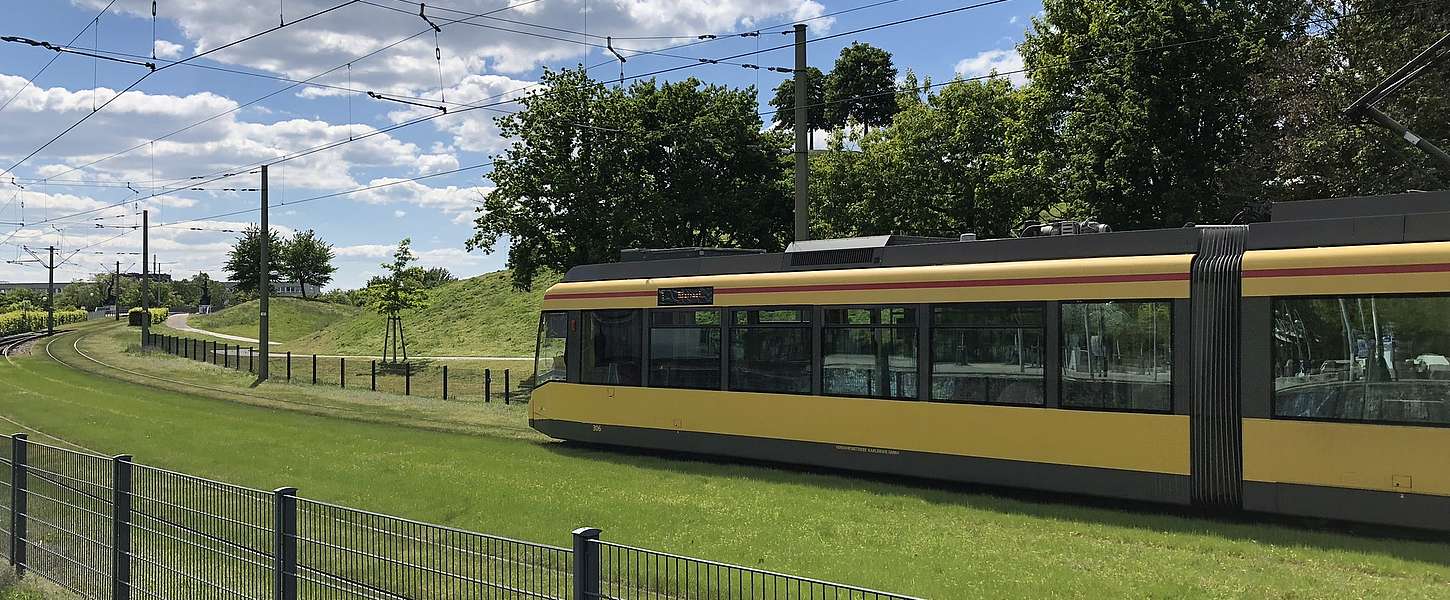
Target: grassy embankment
{"points": [[491, 474], [482, 316]]}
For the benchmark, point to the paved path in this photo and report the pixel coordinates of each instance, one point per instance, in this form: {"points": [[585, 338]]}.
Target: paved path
{"points": [[178, 322]]}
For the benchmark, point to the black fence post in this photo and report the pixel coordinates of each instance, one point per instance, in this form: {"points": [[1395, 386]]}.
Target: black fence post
{"points": [[226, 356], [285, 544], [586, 563], [314, 369], [18, 504], [445, 382], [121, 528], [289, 365], [407, 379], [505, 386], [487, 385], [251, 352], [342, 372], [373, 371]]}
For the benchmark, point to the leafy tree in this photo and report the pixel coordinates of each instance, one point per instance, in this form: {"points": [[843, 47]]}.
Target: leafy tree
{"points": [[861, 87], [784, 102], [946, 165], [1310, 150], [1146, 136], [437, 276], [594, 170], [307, 260], [243, 264], [400, 290], [345, 297]]}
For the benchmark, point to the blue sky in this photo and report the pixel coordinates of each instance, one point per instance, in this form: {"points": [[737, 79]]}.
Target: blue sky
{"points": [[477, 63]]}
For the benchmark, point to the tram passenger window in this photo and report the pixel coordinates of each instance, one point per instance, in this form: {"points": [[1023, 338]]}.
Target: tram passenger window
{"points": [[684, 349], [611, 347], [770, 351], [549, 358], [1380, 359], [1117, 355], [988, 353], [869, 352]]}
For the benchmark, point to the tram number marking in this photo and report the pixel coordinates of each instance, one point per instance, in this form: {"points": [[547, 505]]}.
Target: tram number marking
{"points": [[687, 296]]}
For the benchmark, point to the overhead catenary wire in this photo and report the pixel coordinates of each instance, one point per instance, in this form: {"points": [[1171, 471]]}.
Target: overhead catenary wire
{"points": [[470, 107], [138, 81], [309, 81], [31, 80], [1063, 63]]}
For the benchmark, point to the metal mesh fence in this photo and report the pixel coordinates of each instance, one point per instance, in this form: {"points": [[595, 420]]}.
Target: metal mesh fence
{"points": [[196, 538], [109, 528], [345, 553], [629, 573], [67, 526]]}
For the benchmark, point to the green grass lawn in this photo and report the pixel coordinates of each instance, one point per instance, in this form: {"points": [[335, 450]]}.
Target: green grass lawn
{"points": [[288, 318], [487, 473]]}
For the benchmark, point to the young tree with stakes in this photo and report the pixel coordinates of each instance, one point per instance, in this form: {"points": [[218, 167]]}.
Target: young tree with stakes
{"points": [[402, 289]]}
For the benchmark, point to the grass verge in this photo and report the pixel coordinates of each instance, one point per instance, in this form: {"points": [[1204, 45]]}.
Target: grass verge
{"points": [[937, 541]]}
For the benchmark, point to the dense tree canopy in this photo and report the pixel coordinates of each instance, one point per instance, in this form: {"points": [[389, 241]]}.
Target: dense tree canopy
{"points": [[783, 103], [1146, 122], [244, 261], [595, 170], [945, 166], [307, 260], [861, 87]]}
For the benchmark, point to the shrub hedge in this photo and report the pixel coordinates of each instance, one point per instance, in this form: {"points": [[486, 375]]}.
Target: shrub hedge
{"points": [[158, 315], [21, 321]]}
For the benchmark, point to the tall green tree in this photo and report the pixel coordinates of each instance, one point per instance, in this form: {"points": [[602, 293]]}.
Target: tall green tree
{"points": [[1340, 50], [594, 170], [783, 102], [307, 260], [946, 165], [1138, 126], [861, 87], [244, 264]]}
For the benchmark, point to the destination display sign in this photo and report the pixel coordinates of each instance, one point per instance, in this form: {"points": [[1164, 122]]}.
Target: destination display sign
{"points": [[687, 296]]}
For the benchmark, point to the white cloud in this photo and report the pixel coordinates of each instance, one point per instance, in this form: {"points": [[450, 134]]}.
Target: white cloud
{"points": [[342, 35], [165, 49], [988, 62], [397, 213], [216, 146]]}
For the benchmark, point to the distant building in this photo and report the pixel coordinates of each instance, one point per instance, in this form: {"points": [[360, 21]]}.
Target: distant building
{"points": [[41, 287], [284, 288]]}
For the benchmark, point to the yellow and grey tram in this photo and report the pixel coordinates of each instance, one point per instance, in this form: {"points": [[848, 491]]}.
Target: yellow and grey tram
{"points": [[1297, 366]]}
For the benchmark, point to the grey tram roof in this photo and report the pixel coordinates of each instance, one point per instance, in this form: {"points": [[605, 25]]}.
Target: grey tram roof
{"points": [[1397, 218]]}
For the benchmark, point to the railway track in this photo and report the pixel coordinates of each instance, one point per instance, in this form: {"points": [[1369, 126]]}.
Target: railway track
{"points": [[329, 409]]}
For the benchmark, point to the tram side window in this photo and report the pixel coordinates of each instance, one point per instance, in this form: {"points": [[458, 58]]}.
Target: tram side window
{"points": [[987, 353], [1117, 355], [612, 348], [869, 352], [1379, 359], [549, 359], [684, 349], [770, 351]]}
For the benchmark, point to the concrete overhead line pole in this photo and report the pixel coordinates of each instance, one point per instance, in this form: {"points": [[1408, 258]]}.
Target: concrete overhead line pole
{"points": [[802, 139], [145, 276], [50, 294], [116, 292], [264, 287]]}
